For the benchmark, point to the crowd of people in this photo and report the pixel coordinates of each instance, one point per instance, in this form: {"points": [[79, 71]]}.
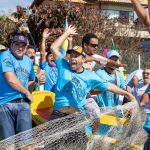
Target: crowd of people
{"points": [[78, 85]]}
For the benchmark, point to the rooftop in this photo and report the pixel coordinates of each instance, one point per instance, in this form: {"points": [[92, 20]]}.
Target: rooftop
{"points": [[143, 2]]}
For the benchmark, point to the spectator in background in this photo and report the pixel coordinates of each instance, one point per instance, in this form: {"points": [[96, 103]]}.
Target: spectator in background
{"points": [[47, 64], [135, 80], [112, 75], [139, 90], [40, 74], [90, 45], [16, 72]]}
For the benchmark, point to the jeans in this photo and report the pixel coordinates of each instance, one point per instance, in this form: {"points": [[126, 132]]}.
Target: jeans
{"points": [[14, 118]]}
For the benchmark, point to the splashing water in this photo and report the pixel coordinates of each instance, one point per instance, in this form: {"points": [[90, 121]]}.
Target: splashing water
{"points": [[69, 133]]}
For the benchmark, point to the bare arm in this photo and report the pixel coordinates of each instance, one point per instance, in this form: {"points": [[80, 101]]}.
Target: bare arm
{"points": [[70, 42], [144, 99], [58, 42], [113, 88], [45, 35], [16, 84], [142, 13], [103, 59]]}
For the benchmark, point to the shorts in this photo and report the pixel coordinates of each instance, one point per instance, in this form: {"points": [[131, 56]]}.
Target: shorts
{"points": [[15, 118], [92, 110]]}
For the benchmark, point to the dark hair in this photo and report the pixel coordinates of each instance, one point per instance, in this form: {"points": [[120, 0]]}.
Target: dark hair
{"points": [[87, 37], [30, 46], [48, 53]]}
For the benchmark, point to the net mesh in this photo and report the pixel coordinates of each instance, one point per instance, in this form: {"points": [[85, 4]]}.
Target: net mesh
{"points": [[69, 133]]}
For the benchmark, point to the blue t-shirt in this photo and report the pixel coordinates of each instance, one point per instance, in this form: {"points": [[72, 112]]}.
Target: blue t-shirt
{"points": [[22, 68], [107, 98], [51, 74], [148, 90], [72, 88]]}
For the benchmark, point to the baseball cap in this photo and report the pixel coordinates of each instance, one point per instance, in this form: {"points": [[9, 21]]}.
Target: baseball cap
{"points": [[77, 49], [20, 39], [112, 53]]}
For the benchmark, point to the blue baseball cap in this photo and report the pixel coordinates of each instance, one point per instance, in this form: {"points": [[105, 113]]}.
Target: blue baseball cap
{"points": [[20, 39], [112, 53]]}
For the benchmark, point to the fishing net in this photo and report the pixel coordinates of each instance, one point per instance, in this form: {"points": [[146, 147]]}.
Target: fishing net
{"points": [[70, 133]]}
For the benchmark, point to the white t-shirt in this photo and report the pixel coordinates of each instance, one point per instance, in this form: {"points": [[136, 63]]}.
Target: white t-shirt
{"points": [[138, 91], [91, 65]]}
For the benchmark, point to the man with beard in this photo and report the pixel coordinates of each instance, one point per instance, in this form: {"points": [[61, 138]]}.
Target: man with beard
{"points": [[111, 74], [47, 64]]}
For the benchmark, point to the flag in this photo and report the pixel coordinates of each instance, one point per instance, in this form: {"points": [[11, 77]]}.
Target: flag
{"points": [[64, 46], [113, 46], [66, 24]]}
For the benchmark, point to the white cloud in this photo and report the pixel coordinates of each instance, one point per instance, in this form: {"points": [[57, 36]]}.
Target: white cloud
{"points": [[7, 5]]}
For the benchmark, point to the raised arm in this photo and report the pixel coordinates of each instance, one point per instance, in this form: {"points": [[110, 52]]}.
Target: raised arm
{"points": [[141, 12], [45, 35], [58, 42]]}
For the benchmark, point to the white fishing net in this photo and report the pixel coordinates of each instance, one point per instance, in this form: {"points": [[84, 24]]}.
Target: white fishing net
{"points": [[69, 133]]}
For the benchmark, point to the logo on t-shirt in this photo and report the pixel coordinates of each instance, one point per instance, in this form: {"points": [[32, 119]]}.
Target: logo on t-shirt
{"points": [[75, 89], [8, 62]]}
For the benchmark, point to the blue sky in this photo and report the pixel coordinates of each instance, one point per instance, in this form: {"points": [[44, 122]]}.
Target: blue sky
{"points": [[6, 5]]}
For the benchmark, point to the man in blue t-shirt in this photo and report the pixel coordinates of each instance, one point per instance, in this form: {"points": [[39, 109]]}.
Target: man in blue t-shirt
{"points": [[16, 72], [74, 82], [47, 64], [112, 75]]}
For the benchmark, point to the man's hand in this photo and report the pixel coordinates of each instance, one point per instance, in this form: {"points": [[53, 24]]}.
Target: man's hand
{"points": [[42, 80], [71, 30], [130, 97], [111, 63], [41, 74], [29, 97]]}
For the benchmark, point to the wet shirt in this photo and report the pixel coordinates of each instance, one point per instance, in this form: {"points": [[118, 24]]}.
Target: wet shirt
{"points": [[107, 98], [72, 88], [51, 74], [22, 68]]}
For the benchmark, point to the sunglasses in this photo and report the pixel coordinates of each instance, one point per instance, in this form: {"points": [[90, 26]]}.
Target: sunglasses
{"points": [[93, 45]]}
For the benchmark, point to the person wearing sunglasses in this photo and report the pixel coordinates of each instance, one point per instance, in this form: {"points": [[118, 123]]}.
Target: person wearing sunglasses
{"points": [[90, 45]]}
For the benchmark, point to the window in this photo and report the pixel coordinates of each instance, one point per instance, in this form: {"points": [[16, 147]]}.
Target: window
{"points": [[123, 13]]}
